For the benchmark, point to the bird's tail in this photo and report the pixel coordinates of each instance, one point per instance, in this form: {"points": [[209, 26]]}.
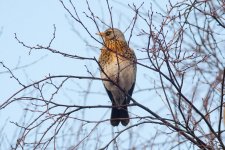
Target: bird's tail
{"points": [[124, 116], [119, 115], [115, 114]]}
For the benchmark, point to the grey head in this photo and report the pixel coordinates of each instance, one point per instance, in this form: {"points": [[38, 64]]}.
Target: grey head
{"points": [[112, 34]]}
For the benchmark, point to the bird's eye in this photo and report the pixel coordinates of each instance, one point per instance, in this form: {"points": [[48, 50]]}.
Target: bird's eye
{"points": [[108, 33]]}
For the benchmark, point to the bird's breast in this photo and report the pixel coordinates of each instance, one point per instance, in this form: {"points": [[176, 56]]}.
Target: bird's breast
{"points": [[121, 71]]}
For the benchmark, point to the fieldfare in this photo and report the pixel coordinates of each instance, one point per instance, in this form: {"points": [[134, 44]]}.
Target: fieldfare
{"points": [[118, 64]]}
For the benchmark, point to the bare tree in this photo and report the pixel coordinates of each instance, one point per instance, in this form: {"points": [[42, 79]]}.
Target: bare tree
{"points": [[182, 63]]}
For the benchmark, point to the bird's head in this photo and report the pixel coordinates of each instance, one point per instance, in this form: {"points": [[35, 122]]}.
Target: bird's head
{"points": [[112, 34]]}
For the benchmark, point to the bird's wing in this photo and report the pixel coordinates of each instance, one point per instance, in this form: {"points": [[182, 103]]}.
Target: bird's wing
{"points": [[130, 92], [110, 95]]}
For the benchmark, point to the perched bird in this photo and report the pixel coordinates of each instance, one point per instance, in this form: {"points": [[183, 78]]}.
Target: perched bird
{"points": [[117, 63]]}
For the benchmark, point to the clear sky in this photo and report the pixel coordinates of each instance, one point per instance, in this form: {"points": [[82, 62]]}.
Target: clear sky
{"points": [[33, 21]]}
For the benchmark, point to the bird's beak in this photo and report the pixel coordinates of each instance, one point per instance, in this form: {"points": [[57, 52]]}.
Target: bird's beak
{"points": [[101, 34]]}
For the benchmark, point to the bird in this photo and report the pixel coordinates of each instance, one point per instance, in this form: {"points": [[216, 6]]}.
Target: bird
{"points": [[118, 66]]}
